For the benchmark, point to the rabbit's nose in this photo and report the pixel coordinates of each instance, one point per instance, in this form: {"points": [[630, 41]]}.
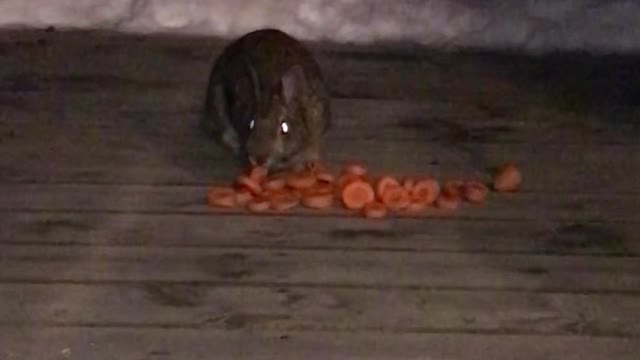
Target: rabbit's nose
{"points": [[258, 160]]}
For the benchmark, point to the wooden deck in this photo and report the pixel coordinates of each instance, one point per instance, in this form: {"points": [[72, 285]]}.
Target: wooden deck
{"points": [[108, 252]]}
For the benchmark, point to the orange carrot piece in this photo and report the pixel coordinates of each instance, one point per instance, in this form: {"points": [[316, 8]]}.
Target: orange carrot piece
{"points": [[346, 179], [243, 196], [325, 176], [274, 183], [357, 194], [319, 188], [425, 191], [301, 179], [383, 183], [249, 183], [283, 200], [475, 191], [258, 173], [396, 198], [258, 204], [418, 206], [408, 184], [318, 199], [221, 196], [507, 178], [375, 210], [448, 201], [355, 168], [453, 188]]}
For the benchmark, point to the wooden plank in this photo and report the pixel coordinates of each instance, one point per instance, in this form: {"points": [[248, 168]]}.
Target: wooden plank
{"points": [[425, 143], [133, 150], [491, 81], [200, 343], [176, 108], [434, 69], [449, 120], [353, 269], [322, 233], [132, 74], [290, 309], [191, 200], [433, 119], [191, 63]]}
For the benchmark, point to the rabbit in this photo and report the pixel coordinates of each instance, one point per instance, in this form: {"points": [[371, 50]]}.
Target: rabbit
{"points": [[267, 101]]}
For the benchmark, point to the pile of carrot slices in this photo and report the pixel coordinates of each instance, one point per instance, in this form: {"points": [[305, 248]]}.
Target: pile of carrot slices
{"points": [[355, 189]]}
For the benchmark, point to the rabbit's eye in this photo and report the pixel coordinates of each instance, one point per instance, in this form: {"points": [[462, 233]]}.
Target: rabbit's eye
{"points": [[252, 123], [284, 127]]}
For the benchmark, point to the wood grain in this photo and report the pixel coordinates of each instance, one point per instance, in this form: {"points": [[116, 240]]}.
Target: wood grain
{"points": [[191, 344], [353, 269], [453, 235], [294, 309]]}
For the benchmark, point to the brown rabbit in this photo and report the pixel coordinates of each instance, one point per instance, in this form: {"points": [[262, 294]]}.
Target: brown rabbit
{"points": [[267, 101]]}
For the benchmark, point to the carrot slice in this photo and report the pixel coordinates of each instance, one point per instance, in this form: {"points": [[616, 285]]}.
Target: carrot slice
{"points": [[243, 196], [396, 198], [297, 192], [258, 173], [507, 179], [283, 200], [475, 191], [325, 176], [301, 179], [355, 168], [221, 196], [417, 206], [408, 183], [384, 182], [319, 188], [318, 199], [375, 210], [448, 201], [346, 179], [258, 204], [425, 191], [249, 183], [357, 194], [453, 188], [275, 183]]}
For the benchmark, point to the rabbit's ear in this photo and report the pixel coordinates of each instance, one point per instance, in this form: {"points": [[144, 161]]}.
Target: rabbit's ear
{"points": [[292, 82]]}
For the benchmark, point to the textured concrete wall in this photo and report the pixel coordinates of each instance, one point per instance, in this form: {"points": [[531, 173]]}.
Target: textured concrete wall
{"points": [[612, 25]]}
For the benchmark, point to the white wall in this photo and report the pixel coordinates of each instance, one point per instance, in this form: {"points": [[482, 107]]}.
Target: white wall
{"points": [[529, 24]]}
